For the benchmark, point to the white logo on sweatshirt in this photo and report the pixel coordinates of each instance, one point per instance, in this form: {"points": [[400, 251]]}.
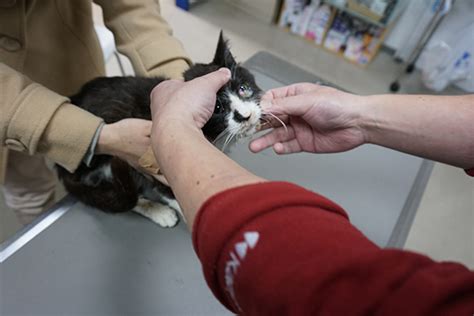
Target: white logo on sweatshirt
{"points": [[232, 265]]}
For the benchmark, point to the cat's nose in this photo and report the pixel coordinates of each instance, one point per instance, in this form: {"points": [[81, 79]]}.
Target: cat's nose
{"points": [[240, 118]]}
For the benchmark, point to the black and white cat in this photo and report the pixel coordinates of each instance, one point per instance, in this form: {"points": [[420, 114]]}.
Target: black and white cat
{"points": [[109, 183]]}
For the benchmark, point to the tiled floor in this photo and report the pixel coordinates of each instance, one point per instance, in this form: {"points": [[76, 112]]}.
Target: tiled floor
{"points": [[444, 225]]}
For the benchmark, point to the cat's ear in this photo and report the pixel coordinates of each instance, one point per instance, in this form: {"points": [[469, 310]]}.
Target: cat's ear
{"points": [[223, 57]]}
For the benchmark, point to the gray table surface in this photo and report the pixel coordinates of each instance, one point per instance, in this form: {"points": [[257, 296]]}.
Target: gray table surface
{"points": [[78, 261]]}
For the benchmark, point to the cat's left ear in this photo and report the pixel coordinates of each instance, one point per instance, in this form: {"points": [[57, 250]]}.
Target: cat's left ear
{"points": [[223, 57]]}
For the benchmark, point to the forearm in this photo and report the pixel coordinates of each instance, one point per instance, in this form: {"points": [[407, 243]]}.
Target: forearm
{"points": [[145, 37], [440, 128], [37, 120], [194, 168], [67, 142]]}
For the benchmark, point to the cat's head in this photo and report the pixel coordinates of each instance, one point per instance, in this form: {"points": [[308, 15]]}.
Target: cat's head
{"points": [[237, 112]]}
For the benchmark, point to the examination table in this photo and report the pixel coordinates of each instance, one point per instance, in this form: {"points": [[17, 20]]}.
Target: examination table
{"points": [[77, 261]]}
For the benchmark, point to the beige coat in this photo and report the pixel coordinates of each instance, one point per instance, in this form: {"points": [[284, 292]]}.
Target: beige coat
{"points": [[48, 49]]}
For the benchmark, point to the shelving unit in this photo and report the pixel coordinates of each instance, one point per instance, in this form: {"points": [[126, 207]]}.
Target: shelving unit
{"points": [[371, 44], [366, 17]]}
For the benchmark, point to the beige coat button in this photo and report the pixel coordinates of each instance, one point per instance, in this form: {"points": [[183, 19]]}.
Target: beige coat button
{"points": [[14, 144], [7, 3], [9, 44]]}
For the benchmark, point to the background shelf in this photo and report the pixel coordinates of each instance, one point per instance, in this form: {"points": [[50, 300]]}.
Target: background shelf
{"points": [[377, 27]]}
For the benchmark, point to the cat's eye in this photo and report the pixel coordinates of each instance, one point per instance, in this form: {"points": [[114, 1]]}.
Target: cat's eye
{"points": [[245, 91]]}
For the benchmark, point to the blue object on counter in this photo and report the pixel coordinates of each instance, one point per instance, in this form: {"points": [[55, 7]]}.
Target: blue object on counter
{"points": [[183, 4]]}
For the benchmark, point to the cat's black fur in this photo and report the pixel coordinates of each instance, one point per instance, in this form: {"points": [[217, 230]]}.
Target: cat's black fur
{"points": [[117, 98]]}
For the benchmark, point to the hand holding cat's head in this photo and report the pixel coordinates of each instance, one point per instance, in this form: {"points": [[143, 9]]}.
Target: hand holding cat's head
{"points": [[190, 103], [237, 112]]}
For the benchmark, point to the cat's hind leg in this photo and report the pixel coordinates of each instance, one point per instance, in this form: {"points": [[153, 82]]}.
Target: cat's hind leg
{"points": [[157, 192], [175, 206], [159, 213]]}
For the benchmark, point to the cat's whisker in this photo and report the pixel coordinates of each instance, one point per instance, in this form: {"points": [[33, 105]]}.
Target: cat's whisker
{"points": [[220, 136], [227, 140], [227, 132], [278, 119], [233, 132], [263, 122], [232, 138]]}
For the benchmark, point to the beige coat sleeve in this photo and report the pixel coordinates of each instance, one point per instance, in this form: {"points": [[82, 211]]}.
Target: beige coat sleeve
{"points": [[37, 120], [144, 36]]}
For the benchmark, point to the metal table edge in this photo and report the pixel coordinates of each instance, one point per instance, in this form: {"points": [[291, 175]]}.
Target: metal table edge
{"points": [[405, 220], [29, 232]]}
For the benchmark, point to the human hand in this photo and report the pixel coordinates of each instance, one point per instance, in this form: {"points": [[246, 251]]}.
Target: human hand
{"points": [[127, 139], [191, 103], [319, 119]]}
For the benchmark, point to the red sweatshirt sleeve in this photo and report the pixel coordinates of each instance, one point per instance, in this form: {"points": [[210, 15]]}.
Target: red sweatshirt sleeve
{"points": [[277, 249], [470, 172]]}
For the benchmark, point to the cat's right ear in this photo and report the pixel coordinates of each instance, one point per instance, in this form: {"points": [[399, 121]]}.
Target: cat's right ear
{"points": [[223, 57]]}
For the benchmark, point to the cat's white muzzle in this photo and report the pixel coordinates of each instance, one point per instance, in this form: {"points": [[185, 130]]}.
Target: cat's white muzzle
{"points": [[247, 109]]}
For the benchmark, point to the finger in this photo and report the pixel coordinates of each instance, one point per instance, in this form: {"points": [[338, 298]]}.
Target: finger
{"points": [[288, 91], [297, 105], [214, 80], [277, 135], [288, 147]]}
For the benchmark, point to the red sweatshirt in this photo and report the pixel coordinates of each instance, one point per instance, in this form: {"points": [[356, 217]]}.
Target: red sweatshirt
{"points": [[277, 249]]}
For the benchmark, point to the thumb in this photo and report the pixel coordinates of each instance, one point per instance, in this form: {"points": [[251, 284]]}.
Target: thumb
{"points": [[215, 80], [295, 105]]}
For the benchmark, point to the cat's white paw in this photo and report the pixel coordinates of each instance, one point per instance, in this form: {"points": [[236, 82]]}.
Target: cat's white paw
{"points": [[164, 217], [161, 214], [175, 206]]}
